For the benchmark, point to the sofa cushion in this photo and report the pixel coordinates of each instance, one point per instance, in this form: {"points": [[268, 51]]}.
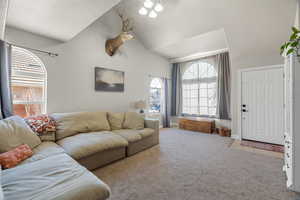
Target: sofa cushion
{"points": [[146, 132], [134, 135], [133, 121], [129, 134], [68, 124], [44, 150], [116, 120], [48, 137], [15, 156], [86, 144], [54, 178], [14, 132]]}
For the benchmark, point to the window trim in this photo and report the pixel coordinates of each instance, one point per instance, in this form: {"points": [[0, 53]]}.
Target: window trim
{"points": [[213, 79], [28, 81], [156, 88]]}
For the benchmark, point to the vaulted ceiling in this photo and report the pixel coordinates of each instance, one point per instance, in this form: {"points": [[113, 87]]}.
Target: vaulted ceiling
{"points": [[247, 27], [58, 19]]}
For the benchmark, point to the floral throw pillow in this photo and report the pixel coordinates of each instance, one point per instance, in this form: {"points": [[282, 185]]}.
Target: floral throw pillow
{"points": [[15, 156], [43, 125]]}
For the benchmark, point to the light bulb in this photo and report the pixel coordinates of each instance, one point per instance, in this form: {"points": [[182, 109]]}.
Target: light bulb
{"points": [[158, 7], [148, 4], [152, 14], [143, 11]]}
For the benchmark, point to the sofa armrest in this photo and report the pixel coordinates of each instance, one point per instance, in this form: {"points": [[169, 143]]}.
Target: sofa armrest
{"points": [[152, 123]]}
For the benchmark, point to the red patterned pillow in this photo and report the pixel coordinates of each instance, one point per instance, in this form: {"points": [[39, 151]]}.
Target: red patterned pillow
{"points": [[13, 157], [41, 124]]}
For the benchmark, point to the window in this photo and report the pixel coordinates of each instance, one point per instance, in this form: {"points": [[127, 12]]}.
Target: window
{"points": [[28, 81], [155, 95], [199, 88]]}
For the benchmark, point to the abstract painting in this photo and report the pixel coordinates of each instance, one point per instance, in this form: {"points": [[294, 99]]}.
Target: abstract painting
{"points": [[109, 80]]}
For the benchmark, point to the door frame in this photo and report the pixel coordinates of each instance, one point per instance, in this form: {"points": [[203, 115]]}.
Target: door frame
{"points": [[239, 104]]}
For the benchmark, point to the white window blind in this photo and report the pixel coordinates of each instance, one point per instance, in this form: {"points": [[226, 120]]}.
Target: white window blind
{"points": [[29, 82]]}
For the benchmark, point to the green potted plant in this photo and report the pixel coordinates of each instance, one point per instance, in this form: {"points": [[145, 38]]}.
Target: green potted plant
{"points": [[293, 45]]}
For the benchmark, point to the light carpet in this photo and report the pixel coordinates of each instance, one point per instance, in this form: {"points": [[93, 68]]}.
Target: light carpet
{"points": [[194, 166]]}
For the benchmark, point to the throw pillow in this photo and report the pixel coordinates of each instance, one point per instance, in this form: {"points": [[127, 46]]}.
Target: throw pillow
{"points": [[14, 157], [14, 132], [43, 126], [116, 120], [133, 120]]}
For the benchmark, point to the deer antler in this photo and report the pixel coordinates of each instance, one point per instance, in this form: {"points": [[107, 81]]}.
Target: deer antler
{"points": [[126, 26], [112, 45]]}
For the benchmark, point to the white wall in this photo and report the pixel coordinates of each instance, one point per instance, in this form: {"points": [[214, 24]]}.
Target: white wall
{"points": [[297, 19], [270, 58], [254, 59], [3, 14], [71, 74]]}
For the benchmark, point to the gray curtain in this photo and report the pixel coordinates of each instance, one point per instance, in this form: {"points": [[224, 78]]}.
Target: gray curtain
{"points": [[224, 86], [167, 102], [5, 71], [176, 95]]}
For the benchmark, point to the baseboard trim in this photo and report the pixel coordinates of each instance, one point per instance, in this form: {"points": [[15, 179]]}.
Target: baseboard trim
{"points": [[236, 137]]}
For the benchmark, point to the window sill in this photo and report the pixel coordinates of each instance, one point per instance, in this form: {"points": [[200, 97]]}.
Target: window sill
{"points": [[27, 102], [203, 116]]}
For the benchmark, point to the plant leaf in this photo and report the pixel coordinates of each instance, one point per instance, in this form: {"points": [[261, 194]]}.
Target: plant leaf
{"points": [[293, 37], [294, 44], [290, 51], [282, 46], [295, 30]]}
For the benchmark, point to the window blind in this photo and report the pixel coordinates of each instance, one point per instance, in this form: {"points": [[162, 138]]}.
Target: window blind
{"points": [[26, 68]]}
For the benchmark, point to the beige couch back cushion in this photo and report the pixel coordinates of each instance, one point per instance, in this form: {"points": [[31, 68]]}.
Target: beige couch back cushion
{"points": [[133, 120], [68, 124], [116, 120], [14, 132]]}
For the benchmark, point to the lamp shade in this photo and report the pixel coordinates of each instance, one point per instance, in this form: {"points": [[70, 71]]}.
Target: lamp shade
{"points": [[140, 104]]}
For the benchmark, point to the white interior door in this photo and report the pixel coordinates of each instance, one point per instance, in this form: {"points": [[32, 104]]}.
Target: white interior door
{"points": [[262, 105]]}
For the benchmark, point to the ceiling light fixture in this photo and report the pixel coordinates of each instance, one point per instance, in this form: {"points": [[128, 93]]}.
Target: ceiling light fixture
{"points": [[143, 11], [151, 8], [158, 7], [148, 4], [152, 14]]}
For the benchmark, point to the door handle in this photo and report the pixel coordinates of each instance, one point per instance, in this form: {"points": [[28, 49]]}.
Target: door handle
{"points": [[244, 110]]}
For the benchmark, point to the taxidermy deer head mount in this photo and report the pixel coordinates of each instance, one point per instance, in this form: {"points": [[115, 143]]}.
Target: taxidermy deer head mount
{"points": [[112, 45]]}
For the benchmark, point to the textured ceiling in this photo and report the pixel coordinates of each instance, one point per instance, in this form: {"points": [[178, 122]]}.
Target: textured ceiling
{"points": [[208, 42], [58, 19], [250, 26]]}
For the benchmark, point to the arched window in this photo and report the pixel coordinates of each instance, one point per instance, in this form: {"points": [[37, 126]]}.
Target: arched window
{"points": [[199, 89], [29, 83], [155, 98]]}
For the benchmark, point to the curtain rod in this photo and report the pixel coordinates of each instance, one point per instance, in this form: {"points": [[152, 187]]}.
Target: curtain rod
{"points": [[37, 50], [159, 77]]}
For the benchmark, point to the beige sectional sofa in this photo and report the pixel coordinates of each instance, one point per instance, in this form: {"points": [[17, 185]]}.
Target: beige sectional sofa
{"points": [[93, 139]]}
